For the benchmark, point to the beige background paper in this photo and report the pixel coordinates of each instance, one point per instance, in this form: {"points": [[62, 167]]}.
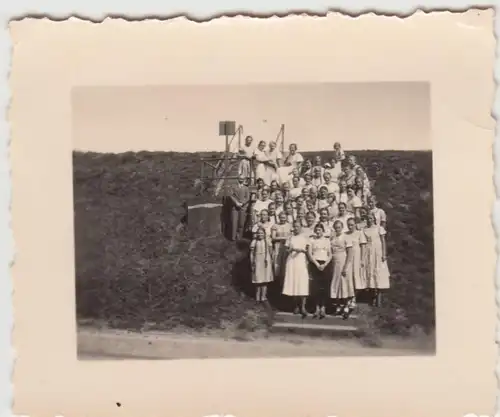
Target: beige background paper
{"points": [[454, 52]]}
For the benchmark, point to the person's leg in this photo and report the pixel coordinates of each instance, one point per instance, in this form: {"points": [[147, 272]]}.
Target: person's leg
{"points": [[296, 303], [241, 223], [234, 223], [303, 310], [264, 292], [316, 288]]}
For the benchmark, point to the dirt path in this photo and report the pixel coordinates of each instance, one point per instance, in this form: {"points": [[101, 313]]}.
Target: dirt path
{"points": [[98, 344]]}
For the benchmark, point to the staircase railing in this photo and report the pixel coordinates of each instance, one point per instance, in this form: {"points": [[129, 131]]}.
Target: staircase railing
{"points": [[280, 139], [220, 164]]}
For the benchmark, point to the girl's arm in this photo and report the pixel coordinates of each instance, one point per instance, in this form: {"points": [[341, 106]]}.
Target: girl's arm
{"points": [[362, 252], [310, 255], [382, 240]]}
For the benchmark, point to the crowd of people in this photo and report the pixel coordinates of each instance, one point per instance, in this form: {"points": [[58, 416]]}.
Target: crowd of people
{"points": [[315, 227]]}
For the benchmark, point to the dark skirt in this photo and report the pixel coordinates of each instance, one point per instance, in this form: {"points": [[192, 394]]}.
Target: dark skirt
{"points": [[321, 281]]}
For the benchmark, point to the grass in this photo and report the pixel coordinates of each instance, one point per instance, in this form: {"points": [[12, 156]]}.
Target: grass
{"points": [[133, 267]]}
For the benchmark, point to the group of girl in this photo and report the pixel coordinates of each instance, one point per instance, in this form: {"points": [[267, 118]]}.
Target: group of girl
{"points": [[316, 229]]}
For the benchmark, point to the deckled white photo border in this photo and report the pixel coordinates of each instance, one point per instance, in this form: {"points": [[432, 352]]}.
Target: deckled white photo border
{"points": [[97, 10]]}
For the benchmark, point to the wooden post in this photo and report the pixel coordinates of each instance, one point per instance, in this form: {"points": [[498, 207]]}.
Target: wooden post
{"points": [[282, 139]]}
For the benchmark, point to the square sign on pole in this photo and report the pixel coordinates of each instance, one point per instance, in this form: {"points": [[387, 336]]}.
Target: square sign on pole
{"points": [[227, 128]]}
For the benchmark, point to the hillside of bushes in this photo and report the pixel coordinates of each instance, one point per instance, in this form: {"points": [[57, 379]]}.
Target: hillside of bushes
{"points": [[134, 266]]}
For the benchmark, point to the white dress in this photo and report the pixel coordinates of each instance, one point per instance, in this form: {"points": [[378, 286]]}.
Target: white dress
{"points": [[296, 281], [376, 271], [261, 169], [285, 171], [245, 166]]}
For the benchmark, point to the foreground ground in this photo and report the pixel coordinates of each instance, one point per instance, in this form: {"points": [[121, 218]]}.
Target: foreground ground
{"points": [[132, 267], [119, 344]]}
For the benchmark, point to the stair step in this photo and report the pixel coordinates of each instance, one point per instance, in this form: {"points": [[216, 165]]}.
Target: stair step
{"points": [[329, 326], [282, 317]]}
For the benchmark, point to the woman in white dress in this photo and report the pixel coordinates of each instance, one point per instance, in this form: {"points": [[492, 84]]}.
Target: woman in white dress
{"points": [[333, 208], [275, 158], [261, 261], [356, 271], [376, 269], [342, 288], [311, 218], [293, 161], [322, 200], [262, 162], [280, 233], [341, 195], [279, 201], [246, 154], [296, 189], [296, 283], [331, 186], [380, 216], [334, 169], [327, 224], [290, 213], [319, 254], [339, 152], [317, 176]]}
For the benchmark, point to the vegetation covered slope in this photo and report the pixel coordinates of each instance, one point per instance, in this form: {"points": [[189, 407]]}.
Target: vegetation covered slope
{"points": [[132, 267]]}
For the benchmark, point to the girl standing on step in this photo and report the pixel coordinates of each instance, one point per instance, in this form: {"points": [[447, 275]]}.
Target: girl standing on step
{"points": [[341, 289], [280, 233], [376, 269], [356, 271], [296, 283], [261, 261], [319, 254]]}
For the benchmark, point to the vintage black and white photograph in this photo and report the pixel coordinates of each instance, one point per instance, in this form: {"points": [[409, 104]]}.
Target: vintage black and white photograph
{"points": [[258, 220]]}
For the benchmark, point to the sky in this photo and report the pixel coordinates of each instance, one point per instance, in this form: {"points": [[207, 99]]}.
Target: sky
{"points": [[185, 118]]}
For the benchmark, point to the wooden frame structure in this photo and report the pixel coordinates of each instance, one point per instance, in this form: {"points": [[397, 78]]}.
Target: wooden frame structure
{"points": [[216, 169]]}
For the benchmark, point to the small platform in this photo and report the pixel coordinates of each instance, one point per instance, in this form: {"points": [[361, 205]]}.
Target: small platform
{"points": [[328, 326]]}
